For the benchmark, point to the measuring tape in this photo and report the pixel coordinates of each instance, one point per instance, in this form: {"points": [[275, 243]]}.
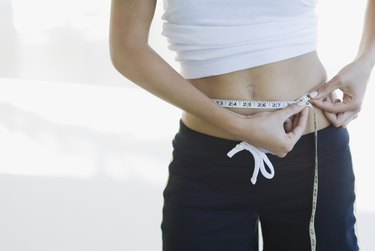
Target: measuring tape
{"points": [[251, 104], [255, 104]]}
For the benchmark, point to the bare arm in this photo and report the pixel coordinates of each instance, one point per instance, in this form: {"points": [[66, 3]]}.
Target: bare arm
{"points": [[136, 60], [352, 80], [367, 45]]}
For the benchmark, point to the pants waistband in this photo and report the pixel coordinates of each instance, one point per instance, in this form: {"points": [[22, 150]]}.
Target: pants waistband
{"points": [[188, 141]]}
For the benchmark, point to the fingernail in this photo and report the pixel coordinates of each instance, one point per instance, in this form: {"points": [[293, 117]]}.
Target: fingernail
{"points": [[313, 94]]}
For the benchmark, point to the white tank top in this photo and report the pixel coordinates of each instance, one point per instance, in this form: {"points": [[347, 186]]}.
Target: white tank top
{"points": [[213, 37]]}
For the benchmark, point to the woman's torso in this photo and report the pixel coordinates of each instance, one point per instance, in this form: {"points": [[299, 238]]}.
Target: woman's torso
{"points": [[251, 49], [284, 80]]}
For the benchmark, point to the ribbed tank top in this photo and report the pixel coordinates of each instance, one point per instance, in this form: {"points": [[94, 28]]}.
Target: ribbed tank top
{"points": [[213, 37]]}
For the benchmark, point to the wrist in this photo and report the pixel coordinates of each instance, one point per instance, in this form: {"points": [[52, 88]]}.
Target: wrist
{"points": [[241, 126], [367, 59]]}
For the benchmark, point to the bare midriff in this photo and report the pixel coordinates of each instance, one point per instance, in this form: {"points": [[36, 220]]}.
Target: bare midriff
{"points": [[285, 80]]}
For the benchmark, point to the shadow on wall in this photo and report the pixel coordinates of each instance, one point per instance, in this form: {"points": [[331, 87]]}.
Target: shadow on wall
{"points": [[60, 214], [71, 46], [8, 42], [104, 149], [95, 214]]}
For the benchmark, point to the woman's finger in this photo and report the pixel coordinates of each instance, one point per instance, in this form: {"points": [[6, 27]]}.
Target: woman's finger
{"points": [[288, 124], [336, 107], [299, 125]]}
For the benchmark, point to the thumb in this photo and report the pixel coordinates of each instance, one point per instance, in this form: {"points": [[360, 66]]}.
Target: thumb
{"points": [[324, 89]]}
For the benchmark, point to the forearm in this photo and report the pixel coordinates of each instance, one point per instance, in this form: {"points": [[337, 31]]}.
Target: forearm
{"points": [[137, 61], [144, 67], [367, 45]]}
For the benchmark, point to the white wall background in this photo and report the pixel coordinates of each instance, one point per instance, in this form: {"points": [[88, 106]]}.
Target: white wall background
{"points": [[80, 169]]}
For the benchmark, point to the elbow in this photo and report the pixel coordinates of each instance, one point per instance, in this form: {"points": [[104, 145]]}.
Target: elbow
{"points": [[124, 58], [118, 57], [119, 52], [116, 65], [121, 62]]}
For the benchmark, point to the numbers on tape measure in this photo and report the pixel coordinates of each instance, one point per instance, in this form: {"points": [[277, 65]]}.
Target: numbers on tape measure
{"points": [[231, 103]]}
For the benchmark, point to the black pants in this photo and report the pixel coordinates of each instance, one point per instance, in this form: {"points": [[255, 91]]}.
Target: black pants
{"points": [[211, 205]]}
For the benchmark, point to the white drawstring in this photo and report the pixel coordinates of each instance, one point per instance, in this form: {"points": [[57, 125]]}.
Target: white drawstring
{"points": [[260, 158]]}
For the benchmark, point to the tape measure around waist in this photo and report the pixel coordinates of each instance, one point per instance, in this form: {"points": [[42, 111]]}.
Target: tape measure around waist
{"points": [[258, 104], [254, 104]]}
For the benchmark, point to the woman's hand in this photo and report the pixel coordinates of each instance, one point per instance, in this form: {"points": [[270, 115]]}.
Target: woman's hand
{"points": [[352, 81], [272, 134]]}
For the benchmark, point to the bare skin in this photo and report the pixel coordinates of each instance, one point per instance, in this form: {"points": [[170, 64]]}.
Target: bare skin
{"points": [[284, 80], [289, 79]]}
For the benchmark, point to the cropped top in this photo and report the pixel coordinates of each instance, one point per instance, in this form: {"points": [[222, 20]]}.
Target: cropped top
{"points": [[213, 37]]}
